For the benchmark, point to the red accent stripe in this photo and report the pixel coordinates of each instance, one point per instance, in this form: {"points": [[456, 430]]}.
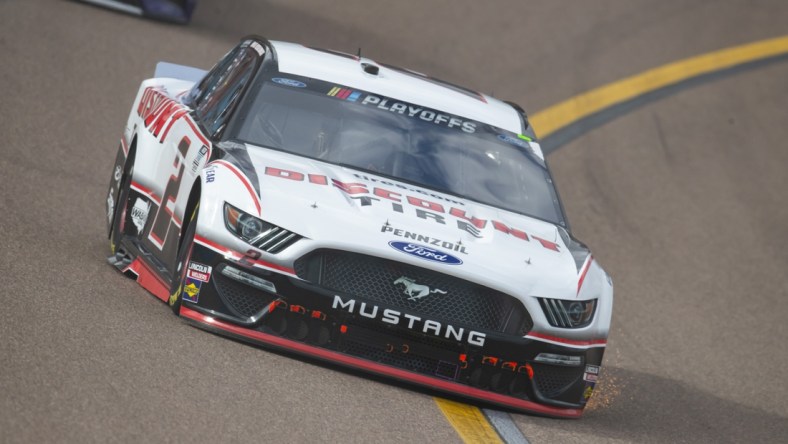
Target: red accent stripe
{"points": [[125, 146], [221, 248], [381, 369], [344, 93], [175, 116], [147, 191], [226, 250], [197, 132], [245, 181], [586, 266], [156, 241], [150, 280], [567, 341]]}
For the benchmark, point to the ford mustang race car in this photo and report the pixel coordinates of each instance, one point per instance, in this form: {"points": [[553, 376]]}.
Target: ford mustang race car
{"points": [[374, 217]]}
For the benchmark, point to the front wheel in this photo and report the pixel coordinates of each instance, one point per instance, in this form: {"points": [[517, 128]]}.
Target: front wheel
{"points": [[184, 253], [119, 214]]}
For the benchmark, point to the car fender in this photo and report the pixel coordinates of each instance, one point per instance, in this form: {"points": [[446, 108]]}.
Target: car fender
{"points": [[222, 181]]}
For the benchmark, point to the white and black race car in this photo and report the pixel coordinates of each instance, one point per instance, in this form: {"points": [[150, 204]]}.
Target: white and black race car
{"points": [[362, 214]]}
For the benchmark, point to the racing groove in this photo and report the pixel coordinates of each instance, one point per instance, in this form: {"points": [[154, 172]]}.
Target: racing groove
{"points": [[683, 201]]}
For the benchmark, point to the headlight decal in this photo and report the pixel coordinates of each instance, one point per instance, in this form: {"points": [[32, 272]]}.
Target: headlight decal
{"points": [[568, 314], [257, 232]]}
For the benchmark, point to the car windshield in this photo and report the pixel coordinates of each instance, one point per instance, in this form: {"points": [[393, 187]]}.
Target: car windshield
{"points": [[411, 143]]}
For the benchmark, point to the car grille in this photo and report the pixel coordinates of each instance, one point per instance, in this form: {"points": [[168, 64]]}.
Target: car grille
{"points": [[374, 279], [432, 356], [553, 380], [242, 300]]}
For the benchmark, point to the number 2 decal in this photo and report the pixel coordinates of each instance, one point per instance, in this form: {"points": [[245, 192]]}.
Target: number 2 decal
{"points": [[165, 215]]}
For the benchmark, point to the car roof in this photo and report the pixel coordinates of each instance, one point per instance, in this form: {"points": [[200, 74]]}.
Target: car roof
{"points": [[408, 86]]}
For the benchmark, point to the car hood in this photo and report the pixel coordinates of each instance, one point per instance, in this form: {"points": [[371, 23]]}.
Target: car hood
{"points": [[348, 209]]}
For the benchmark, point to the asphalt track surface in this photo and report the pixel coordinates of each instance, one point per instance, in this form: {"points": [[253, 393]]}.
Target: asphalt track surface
{"points": [[684, 200]]}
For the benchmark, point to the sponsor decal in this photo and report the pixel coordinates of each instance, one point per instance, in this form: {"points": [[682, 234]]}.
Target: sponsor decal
{"points": [[512, 141], [118, 173], [199, 272], [110, 205], [344, 94], [423, 203], [289, 82], [191, 291], [424, 252], [453, 246], [156, 110], [414, 290], [591, 373], [410, 110], [139, 213], [424, 114], [257, 47], [411, 322], [200, 154], [210, 175], [587, 392], [470, 229]]}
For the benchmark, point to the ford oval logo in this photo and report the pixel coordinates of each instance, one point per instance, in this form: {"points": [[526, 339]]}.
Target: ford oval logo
{"points": [[289, 82], [426, 253]]}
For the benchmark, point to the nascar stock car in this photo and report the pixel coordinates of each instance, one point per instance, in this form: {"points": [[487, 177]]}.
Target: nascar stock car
{"points": [[362, 214]]}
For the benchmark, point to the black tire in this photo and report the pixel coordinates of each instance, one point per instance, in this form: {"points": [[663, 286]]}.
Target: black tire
{"points": [[119, 218], [184, 252]]}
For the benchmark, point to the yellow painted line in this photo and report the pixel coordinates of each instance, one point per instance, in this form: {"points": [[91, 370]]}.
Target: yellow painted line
{"points": [[469, 422], [558, 116]]}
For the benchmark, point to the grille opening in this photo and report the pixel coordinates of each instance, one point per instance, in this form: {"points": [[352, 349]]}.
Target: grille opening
{"points": [[553, 380], [243, 301]]}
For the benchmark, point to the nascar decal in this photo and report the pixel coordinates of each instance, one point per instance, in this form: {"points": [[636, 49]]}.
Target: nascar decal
{"points": [[110, 205], [199, 272], [423, 208], [203, 151], [590, 377], [587, 392], [395, 106], [210, 174], [344, 94], [196, 275], [156, 109], [258, 48], [191, 291], [458, 246], [139, 213], [513, 141], [591, 373]]}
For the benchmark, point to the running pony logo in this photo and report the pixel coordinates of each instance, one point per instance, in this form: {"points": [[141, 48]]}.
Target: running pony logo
{"points": [[414, 290]]}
